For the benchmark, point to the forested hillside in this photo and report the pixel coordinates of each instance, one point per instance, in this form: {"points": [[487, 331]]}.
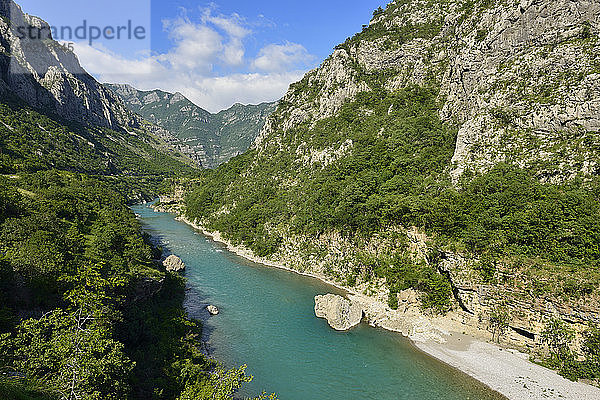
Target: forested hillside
{"points": [[87, 309], [32, 140], [211, 138], [450, 147]]}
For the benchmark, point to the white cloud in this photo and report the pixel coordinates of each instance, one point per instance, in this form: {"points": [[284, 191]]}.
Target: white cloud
{"points": [[220, 92], [213, 93], [196, 46], [280, 57], [233, 25], [193, 65], [111, 67]]}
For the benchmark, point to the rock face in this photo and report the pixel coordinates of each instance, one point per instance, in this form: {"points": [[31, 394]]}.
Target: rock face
{"points": [[48, 76], [211, 139], [213, 310], [515, 77], [340, 313], [174, 264]]}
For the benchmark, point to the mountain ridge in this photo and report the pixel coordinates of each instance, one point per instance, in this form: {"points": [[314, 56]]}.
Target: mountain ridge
{"points": [[55, 115], [48, 76], [213, 138], [417, 43]]}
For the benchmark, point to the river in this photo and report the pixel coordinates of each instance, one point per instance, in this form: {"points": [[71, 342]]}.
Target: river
{"points": [[267, 321]]}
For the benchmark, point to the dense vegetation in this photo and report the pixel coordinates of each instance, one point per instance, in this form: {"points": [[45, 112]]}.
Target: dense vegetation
{"points": [[395, 175], [390, 164], [382, 162], [32, 141], [75, 321], [86, 310], [508, 211]]}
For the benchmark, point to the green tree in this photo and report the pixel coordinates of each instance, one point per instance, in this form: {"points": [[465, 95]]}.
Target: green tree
{"points": [[487, 268], [499, 322], [73, 350], [557, 335], [10, 200], [74, 355], [591, 349], [219, 384]]}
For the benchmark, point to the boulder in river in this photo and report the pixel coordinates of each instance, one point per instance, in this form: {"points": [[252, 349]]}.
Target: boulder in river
{"points": [[174, 264], [213, 310], [341, 314]]}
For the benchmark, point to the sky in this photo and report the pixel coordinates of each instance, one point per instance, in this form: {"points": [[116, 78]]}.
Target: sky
{"points": [[216, 53]]}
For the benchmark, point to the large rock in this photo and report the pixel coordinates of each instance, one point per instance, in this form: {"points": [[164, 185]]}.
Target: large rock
{"points": [[213, 310], [174, 264], [340, 313]]}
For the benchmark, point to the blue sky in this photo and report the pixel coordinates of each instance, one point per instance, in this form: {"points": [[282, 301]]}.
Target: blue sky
{"points": [[317, 25], [216, 53]]}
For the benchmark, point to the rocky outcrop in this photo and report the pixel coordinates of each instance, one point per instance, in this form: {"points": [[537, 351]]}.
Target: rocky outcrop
{"points": [[511, 293], [528, 75], [167, 205], [146, 288], [172, 203], [174, 264], [341, 314], [408, 318], [48, 76]]}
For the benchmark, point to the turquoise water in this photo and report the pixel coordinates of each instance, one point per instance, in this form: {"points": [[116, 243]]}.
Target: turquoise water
{"points": [[267, 321]]}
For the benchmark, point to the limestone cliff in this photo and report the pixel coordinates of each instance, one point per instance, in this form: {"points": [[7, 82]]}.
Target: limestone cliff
{"points": [[517, 78], [49, 77]]}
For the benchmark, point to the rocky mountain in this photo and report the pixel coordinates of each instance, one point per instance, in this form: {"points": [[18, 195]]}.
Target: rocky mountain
{"points": [[48, 76], [450, 147], [212, 138], [53, 114], [513, 76]]}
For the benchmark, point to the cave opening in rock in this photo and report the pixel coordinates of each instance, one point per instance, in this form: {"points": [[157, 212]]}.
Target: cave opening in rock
{"points": [[524, 333]]}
